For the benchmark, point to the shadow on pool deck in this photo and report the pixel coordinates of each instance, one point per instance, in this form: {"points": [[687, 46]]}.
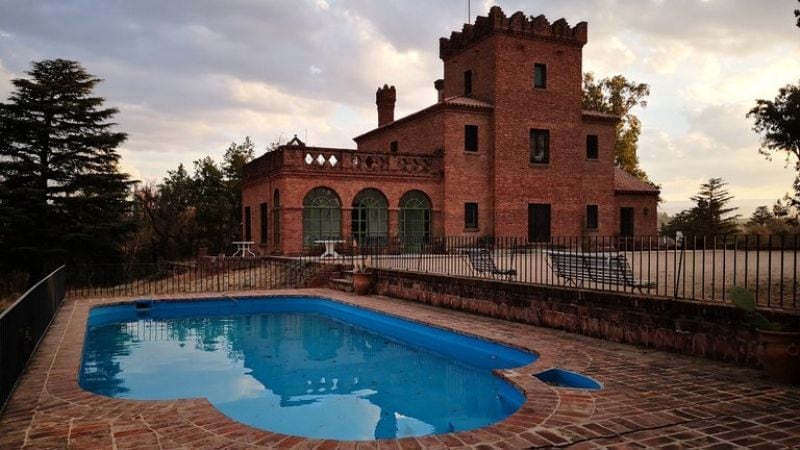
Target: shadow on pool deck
{"points": [[649, 398]]}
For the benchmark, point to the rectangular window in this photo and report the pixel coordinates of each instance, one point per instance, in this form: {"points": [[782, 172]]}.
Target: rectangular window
{"points": [[592, 151], [540, 146], [468, 82], [592, 219], [470, 138], [470, 215], [248, 231], [262, 216], [540, 76], [393, 147]]}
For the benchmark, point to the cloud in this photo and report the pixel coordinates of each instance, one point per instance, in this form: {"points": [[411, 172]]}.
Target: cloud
{"points": [[190, 76]]}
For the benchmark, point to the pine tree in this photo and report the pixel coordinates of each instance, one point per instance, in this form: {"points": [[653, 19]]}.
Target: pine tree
{"points": [[62, 195], [711, 215]]}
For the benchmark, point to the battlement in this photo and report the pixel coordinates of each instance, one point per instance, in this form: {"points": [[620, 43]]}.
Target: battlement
{"points": [[386, 95], [518, 25]]}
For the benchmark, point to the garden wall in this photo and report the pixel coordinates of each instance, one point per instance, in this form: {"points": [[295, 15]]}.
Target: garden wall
{"points": [[700, 329]]}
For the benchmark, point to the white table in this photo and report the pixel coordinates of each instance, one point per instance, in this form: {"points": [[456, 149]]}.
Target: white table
{"points": [[243, 248], [330, 247]]}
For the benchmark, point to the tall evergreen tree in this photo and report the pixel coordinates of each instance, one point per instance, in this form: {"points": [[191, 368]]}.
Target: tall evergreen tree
{"points": [[711, 215], [62, 195]]}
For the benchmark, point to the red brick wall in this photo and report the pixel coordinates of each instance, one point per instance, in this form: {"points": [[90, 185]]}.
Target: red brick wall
{"points": [[294, 188], [645, 222], [421, 136], [700, 329], [518, 108], [480, 58], [468, 175], [598, 178]]}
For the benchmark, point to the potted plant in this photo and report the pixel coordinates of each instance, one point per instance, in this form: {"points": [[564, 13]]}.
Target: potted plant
{"points": [[362, 278], [778, 348]]}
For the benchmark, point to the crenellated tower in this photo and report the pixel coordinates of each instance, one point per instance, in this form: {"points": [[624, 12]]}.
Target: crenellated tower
{"points": [[530, 71]]}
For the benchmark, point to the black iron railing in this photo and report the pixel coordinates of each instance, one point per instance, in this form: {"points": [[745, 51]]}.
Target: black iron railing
{"points": [[22, 326], [700, 268], [208, 274]]}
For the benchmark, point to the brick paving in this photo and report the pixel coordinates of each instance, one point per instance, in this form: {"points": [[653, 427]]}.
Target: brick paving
{"points": [[650, 399]]}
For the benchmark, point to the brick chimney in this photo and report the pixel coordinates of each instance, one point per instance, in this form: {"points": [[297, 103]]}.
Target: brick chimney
{"points": [[385, 98], [439, 85]]}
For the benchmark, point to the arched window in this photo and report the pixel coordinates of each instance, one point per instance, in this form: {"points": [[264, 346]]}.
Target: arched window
{"points": [[415, 219], [322, 216], [276, 218], [370, 218]]}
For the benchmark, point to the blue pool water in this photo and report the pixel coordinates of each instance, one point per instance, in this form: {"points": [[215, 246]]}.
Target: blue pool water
{"points": [[301, 366]]}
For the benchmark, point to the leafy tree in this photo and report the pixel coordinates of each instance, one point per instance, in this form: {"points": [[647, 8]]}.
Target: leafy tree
{"points": [[168, 216], [797, 15], [617, 95], [236, 156], [710, 216], [62, 195], [778, 121], [212, 205]]}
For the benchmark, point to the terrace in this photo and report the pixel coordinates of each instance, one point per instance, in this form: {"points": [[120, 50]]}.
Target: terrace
{"points": [[301, 159], [649, 397]]}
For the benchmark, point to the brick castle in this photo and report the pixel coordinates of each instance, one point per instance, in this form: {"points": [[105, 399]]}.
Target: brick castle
{"points": [[506, 151]]}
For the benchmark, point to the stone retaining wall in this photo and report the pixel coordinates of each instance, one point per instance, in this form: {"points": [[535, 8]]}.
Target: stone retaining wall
{"points": [[701, 329]]}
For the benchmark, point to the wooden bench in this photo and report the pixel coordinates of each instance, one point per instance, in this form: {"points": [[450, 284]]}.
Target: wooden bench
{"points": [[601, 268], [482, 262]]}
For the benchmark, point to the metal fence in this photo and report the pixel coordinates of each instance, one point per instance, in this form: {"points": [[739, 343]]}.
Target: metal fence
{"points": [[22, 326], [701, 268], [208, 274]]}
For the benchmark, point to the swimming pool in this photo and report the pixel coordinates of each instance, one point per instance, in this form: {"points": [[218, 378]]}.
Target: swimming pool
{"points": [[302, 366]]}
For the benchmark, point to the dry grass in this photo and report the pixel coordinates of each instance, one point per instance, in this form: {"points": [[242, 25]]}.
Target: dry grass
{"points": [[196, 280]]}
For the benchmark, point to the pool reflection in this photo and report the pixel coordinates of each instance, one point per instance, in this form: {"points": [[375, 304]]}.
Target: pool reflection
{"points": [[296, 373]]}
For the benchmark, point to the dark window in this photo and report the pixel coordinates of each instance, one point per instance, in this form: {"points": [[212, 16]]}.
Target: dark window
{"points": [[539, 76], [540, 146], [591, 217], [393, 147], [592, 151], [248, 231], [538, 222], [470, 215], [468, 82], [276, 217], [471, 138], [262, 216]]}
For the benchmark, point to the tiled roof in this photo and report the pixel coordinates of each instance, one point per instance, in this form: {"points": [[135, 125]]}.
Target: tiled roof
{"points": [[589, 114], [627, 183], [451, 102], [467, 101]]}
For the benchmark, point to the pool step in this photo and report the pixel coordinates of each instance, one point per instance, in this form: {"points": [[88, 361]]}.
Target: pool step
{"points": [[341, 280], [341, 284]]}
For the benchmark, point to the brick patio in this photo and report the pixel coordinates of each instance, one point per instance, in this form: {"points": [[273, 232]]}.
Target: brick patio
{"points": [[650, 399]]}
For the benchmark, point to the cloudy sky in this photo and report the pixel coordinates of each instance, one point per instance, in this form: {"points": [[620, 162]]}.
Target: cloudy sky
{"points": [[191, 76]]}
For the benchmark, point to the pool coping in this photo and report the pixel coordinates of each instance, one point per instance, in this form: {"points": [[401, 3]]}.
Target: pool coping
{"points": [[49, 408]]}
